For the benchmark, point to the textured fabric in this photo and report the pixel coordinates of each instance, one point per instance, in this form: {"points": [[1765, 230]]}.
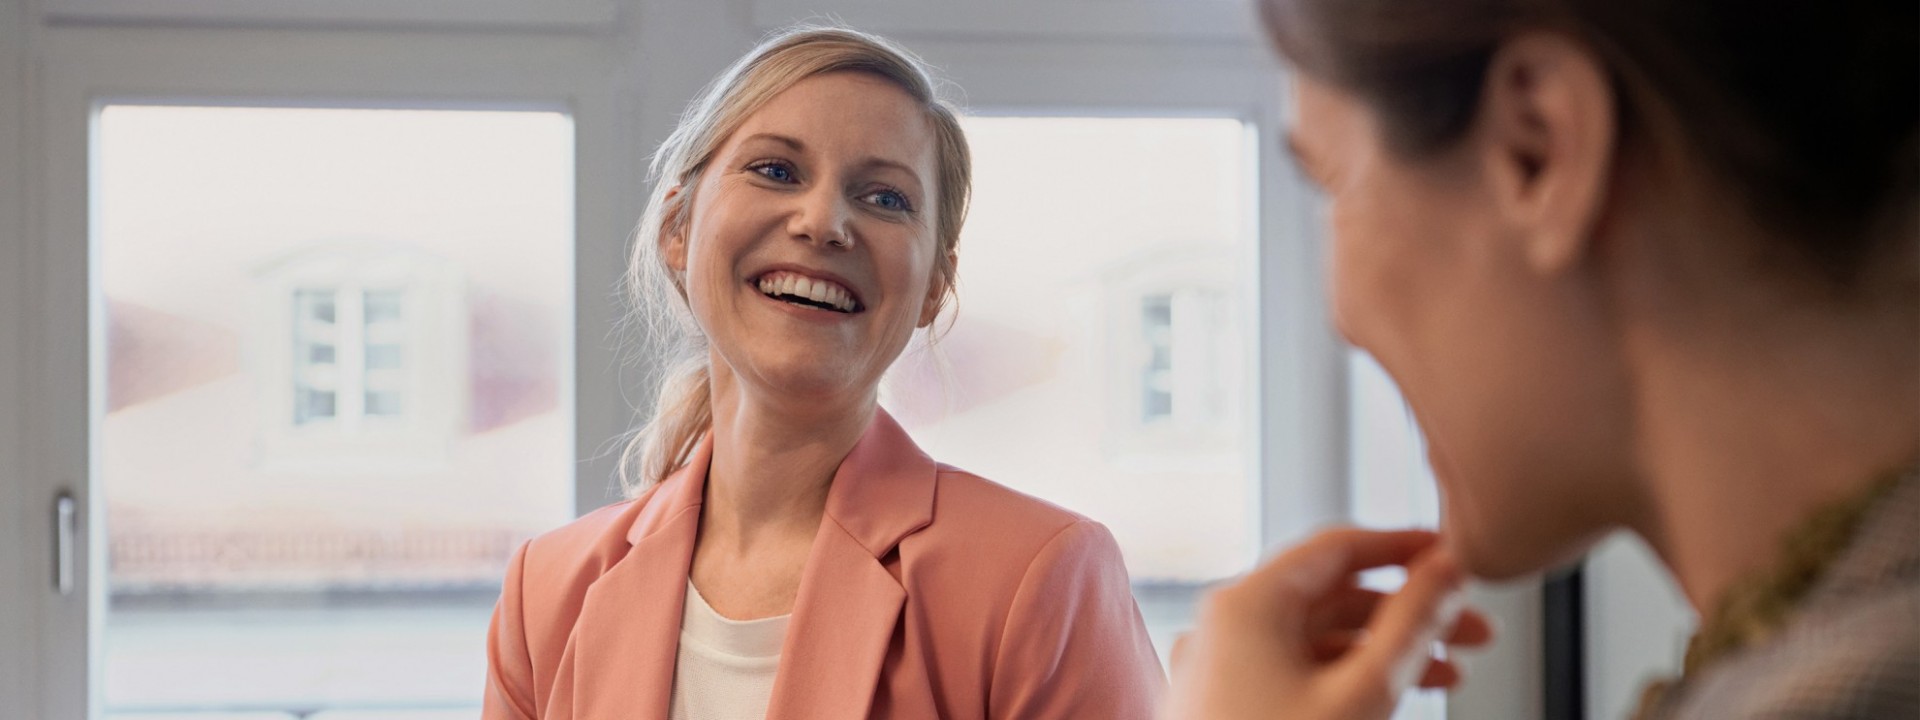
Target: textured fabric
{"points": [[1851, 649], [929, 593], [725, 668]]}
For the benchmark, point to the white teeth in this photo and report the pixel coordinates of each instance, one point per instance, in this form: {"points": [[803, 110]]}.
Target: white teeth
{"points": [[799, 286]]}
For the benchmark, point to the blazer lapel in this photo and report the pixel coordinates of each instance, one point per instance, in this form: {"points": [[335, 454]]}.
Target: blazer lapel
{"points": [[849, 602], [628, 634]]}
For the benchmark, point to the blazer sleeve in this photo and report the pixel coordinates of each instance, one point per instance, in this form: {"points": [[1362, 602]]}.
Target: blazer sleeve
{"points": [[1074, 645], [509, 664]]}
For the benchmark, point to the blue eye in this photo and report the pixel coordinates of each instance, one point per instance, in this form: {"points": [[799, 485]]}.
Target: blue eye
{"points": [[775, 172], [891, 200]]}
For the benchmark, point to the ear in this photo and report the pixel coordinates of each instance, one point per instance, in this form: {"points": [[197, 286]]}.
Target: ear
{"points": [[673, 238], [937, 291], [1547, 140]]}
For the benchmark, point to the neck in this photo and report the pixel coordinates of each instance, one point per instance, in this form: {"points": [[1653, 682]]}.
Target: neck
{"points": [[1749, 425], [773, 462]]}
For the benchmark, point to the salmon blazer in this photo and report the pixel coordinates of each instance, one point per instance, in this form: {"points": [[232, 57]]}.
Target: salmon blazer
{"points": [[928, 593]]}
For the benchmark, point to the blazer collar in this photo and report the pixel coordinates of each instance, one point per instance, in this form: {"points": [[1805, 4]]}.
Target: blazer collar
{"points": [[627, 637], [849, 601], [683, 490], [883, 491]]}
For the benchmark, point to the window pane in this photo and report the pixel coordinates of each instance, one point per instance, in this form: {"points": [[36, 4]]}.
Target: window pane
{"points": [[383, 306], [314, 405], [383, 357], [300, 521], [1101, 356], [383, 403], [1156, 330]]}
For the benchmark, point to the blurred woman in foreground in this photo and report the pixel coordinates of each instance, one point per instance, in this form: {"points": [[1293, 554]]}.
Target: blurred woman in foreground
{"points": [[1636, 264]]}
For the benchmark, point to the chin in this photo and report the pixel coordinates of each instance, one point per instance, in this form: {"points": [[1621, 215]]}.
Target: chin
{"points": [[1510, 550], [806, 379]]}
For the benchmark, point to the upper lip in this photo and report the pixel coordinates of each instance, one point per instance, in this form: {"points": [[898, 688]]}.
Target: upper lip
{"points": [[859, 300]]}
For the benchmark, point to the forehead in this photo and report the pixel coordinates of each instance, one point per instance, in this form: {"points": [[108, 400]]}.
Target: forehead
{"points": [[850, 114]]}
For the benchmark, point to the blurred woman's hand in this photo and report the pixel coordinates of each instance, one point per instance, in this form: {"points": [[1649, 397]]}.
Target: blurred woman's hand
{"points": [[1298, 638]]}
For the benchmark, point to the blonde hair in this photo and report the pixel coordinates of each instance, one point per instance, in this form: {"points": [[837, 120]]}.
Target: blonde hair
{"points": [[683, 409]]}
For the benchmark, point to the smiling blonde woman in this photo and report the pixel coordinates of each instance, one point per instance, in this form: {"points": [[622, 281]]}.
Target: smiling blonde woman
{"points": [[788, 551]]}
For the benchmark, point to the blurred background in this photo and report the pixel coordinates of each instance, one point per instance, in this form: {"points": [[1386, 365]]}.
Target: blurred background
{"points": [[309, 316]]}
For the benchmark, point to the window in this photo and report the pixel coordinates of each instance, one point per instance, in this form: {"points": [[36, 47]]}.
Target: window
{"points": [[1100, 359], [361, 353], [337, 360], [1156, 378], [1188, 353], [377, 376]]}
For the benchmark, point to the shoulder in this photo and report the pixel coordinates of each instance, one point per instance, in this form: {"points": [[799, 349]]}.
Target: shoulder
{"points": [[1859, 659], [566, 559], [990, 544], [1009, 525]]}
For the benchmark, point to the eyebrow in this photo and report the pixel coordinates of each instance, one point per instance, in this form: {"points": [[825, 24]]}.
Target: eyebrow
{"points": [[867, 162], [782, 139]]}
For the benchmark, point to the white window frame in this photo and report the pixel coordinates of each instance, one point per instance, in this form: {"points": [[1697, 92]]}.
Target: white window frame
{"points": [[49, 340], [438, 14]]}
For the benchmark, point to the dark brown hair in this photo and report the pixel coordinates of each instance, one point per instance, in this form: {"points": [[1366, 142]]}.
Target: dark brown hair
{"points": [[1806, 110]]}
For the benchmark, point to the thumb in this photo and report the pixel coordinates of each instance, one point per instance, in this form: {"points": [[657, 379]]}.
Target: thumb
{"points": [[1403, 630]]}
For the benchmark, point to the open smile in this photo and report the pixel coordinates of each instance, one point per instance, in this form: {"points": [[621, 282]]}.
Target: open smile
{"points": [[808, 291]]}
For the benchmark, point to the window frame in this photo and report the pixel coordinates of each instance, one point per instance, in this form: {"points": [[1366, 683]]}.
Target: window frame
{"points": [[574, 15], [83, 67]]}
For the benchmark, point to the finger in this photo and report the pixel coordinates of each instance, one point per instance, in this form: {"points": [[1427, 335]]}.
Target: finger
{"points": [[1473, 629], [1440, 674], [1328, 647], [1408, 622], [1346, 608], [1298, 576]]}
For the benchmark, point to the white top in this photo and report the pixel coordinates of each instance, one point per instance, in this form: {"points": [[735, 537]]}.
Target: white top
{"points": [[725, 668]]}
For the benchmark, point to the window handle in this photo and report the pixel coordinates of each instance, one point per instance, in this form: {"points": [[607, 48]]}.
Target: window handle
{"points": [[63, 539]]}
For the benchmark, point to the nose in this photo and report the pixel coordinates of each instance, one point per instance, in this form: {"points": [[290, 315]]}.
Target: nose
{"points": [[822, 218]]}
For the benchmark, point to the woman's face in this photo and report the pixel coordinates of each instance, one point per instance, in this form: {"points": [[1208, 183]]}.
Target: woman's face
{"points": [[1504, 366], [809, 254]]}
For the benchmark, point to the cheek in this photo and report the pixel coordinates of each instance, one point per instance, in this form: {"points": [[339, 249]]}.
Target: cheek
{"points": [[905, 267], [714, 239], [1378, 266]]}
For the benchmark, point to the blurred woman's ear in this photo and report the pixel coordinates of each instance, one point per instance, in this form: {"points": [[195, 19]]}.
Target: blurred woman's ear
{"points": [[1546, 137]]}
